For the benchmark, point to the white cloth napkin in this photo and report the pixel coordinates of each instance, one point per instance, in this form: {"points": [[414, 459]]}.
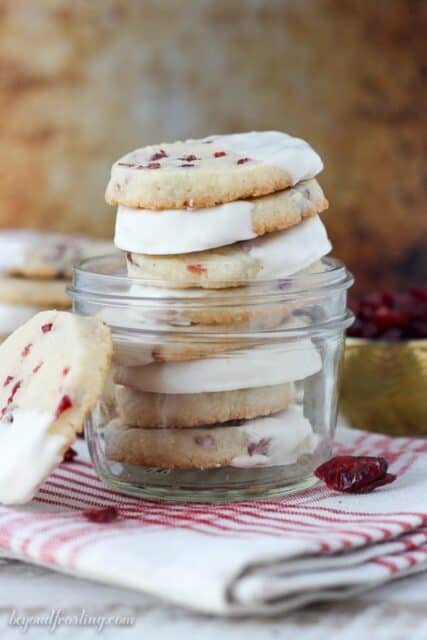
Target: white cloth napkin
{"points": [[243, 558]]}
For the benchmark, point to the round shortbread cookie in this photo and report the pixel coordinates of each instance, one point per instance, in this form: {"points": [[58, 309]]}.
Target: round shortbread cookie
{"points": [[157, 410], [52, 370], [36, 254], [38, 293], [275, 440], [258, 366], [210, 171], [186, 231], [276, 255]]}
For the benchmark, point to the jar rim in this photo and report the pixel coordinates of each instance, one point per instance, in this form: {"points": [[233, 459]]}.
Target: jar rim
{"points": [[106, 277]]}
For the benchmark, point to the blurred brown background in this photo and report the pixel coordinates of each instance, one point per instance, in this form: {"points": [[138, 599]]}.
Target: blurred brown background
{"points": [[81, 82]]}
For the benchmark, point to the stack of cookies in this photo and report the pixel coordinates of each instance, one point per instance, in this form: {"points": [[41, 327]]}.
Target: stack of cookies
{"points": [[213, 217], [35, 269]]}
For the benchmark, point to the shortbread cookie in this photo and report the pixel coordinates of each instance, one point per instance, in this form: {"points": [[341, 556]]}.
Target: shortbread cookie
{"points": [[38, 293], [276, 440], [36, 254], [249, 368], [273, 256], [188, 230], [210, 171], [52, 370], [157, 410]]}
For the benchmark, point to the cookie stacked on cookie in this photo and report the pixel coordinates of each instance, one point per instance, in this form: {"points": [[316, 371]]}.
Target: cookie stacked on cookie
{"points": [[35, 269], [215, 215]]}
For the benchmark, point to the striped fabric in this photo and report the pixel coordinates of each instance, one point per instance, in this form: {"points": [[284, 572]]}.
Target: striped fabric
{"points": [[241, 558]]}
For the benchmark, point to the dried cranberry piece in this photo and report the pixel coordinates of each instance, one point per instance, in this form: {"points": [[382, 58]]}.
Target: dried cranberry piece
{"points": [[219, 154], [260, 447], [64, 404], [189, 158], [47, 327], [37, 367], [355, 331], [65, 371], [243, 160], [369, 331], [101, 516], [196, 268], [354, 474], [129, 257], [153, 165], [204, 441], [7, 381], [69, 455], [159, 155], [385, 318], [419, 293], [26, 350]]}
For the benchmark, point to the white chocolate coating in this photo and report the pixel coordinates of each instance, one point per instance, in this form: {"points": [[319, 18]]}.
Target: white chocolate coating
{"points": [[28, 452], [183, 231], [241, 369]]}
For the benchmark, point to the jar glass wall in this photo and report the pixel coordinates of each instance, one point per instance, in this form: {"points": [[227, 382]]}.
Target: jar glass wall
{"points": [[215, 394]]}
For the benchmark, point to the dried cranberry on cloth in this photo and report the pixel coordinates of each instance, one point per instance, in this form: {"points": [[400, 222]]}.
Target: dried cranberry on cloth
{"points": [[247, 558]]}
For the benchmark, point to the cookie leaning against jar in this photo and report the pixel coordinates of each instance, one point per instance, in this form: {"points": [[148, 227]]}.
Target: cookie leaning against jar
{"points": [[52, 370]]}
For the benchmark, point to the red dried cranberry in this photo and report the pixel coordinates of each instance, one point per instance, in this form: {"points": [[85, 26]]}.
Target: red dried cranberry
{"points": [[385, 318], [69, 455], [37, 367], [354, 474], [196, 268], [355, 331], [64, 404], [65, 371], [394, 334], [101, 516], [159, 155], [26, 350], [219, 154], [129, 257], [189, 158], [243, 160], [260, 447], [7, 381], [47, 327], [419, 293], [204, 441], [153, 165]]}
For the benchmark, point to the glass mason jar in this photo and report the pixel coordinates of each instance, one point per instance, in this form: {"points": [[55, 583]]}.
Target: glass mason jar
{"points": [[219, 394]]}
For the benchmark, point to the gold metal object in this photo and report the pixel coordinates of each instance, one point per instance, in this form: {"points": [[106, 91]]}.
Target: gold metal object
{"points": [[384, 386]]}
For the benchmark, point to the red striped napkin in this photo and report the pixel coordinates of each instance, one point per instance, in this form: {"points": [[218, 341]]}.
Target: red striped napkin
{"points": [[236, 559]]}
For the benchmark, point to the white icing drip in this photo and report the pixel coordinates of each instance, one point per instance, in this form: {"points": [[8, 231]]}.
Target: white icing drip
{"points": [[13, 315], [275, 148], [28, 453], [239, 369], [284, 437], [183, 231], [284, 253]]}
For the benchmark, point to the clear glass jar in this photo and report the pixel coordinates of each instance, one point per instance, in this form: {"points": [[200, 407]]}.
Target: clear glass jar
{"points": [[215, 395]]}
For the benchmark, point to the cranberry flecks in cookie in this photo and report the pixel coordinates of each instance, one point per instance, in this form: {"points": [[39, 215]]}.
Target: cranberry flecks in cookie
{"points": [[279, 439], [176, 231], [275, 255], [211, 171], [52, 370]]}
